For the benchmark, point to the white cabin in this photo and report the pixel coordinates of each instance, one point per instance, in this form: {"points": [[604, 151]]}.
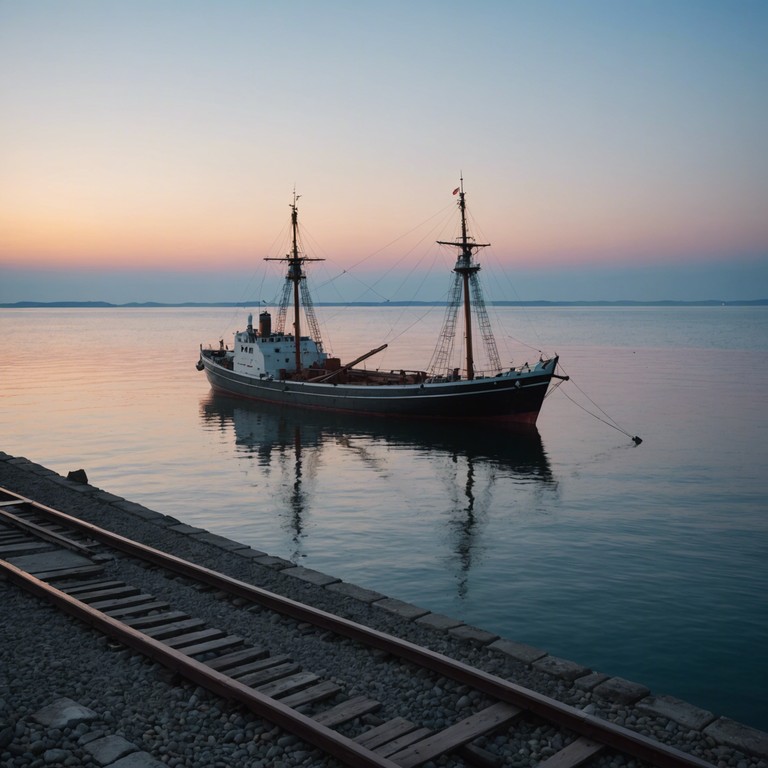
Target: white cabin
{"points": [[264, 354]]}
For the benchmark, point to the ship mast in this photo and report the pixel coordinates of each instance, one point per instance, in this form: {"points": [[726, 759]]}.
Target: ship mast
{"points": [[465, 270], [294, 278]]}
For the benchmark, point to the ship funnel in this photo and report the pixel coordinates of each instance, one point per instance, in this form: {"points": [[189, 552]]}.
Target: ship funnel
{"points": [[250, 323], [265, 324]]}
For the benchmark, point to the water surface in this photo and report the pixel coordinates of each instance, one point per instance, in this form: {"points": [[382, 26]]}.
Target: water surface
{"points": [[649, 562]]}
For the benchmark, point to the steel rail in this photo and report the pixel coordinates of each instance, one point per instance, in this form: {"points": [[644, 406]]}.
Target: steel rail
{"points": [[615, 736]]}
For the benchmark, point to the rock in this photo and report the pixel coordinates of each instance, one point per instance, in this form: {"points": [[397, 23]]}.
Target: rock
{"points": [[621, 691], [138, 760], [55, 756], [110, 748], [742, 737], [6, 735], [64, 713], [527, 654], [78, 476], [562, 668], [676, 710]]}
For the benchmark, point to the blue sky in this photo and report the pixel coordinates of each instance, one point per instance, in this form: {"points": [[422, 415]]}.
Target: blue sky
{"points": [[149, 150]]}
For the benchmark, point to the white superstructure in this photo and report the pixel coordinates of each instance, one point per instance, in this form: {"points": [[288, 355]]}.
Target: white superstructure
{"points": [[263, 354]]}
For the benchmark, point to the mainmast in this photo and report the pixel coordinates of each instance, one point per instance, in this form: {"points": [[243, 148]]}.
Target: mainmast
{"points": [[294, 278], [466, 269]]}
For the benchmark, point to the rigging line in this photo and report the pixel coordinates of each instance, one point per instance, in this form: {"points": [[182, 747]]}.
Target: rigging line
{"points": [[260, 302], [425, 275], [242, 304], [491, 311], [371, 287], [247, 287], [261, 286], [441, 212], [502, 280], [407, 277], [417, 321], [609, 421], [524, 343], [333, 278], [396, 322], [283, 238], [389, 338], [496, 267], [236, 310]]}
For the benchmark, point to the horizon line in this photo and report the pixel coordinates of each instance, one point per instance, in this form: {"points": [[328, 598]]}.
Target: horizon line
{"points": [[259, 304]]}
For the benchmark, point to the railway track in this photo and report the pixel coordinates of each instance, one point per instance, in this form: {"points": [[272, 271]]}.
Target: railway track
{"points": [[79, 567]]}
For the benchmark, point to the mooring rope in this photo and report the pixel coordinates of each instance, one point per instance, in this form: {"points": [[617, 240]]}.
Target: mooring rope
{"points": [[608, 420]]}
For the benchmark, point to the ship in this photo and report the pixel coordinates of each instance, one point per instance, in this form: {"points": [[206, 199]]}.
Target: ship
{"points": [[274, 363]]}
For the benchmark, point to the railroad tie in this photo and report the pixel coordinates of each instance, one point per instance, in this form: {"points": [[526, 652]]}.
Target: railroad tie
{"points": [[88, 585], [288, 684], [83, 570], [253, 666], [576, 753], [377, 737], [449, 739], [113, 604], [311, 695], [243, 656], [153, 620], [125, 613], [169, 627], [346, 711], [396, 734], [223, 643], [269, 675]]}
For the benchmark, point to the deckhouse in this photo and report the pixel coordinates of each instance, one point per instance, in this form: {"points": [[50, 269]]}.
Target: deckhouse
{"points": [[271, 355]]}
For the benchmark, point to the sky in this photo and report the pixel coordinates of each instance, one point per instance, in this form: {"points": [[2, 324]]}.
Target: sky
{"points": [[149, 149]]}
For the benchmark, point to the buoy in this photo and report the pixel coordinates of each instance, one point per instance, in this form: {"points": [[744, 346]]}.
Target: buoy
{"points": [[636, 440]]}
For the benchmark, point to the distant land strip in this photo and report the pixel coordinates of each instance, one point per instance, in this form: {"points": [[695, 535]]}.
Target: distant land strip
{"points": [[255, 304]]}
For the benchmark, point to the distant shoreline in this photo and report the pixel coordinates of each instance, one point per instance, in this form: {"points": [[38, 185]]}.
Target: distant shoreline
{"points": [[254, 304]]}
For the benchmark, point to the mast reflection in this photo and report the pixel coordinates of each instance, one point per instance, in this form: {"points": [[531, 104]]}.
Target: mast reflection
{"points": [[291, 442]]}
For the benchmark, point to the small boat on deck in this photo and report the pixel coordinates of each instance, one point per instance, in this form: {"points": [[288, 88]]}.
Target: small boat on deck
{"points": [[273, 364]]}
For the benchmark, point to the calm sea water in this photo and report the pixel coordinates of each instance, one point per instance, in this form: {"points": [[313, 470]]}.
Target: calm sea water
{"points": [[649, 562]]}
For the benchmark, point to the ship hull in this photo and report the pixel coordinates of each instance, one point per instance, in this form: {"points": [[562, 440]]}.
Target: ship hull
{"points": [[511, 398]]}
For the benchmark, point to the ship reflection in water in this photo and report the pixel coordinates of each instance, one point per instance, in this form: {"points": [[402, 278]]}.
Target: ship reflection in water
{"points": [[466, 460]]}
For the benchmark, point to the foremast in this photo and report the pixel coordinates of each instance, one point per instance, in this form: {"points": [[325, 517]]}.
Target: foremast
{"points": [[466, 290], [295, 290]]}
